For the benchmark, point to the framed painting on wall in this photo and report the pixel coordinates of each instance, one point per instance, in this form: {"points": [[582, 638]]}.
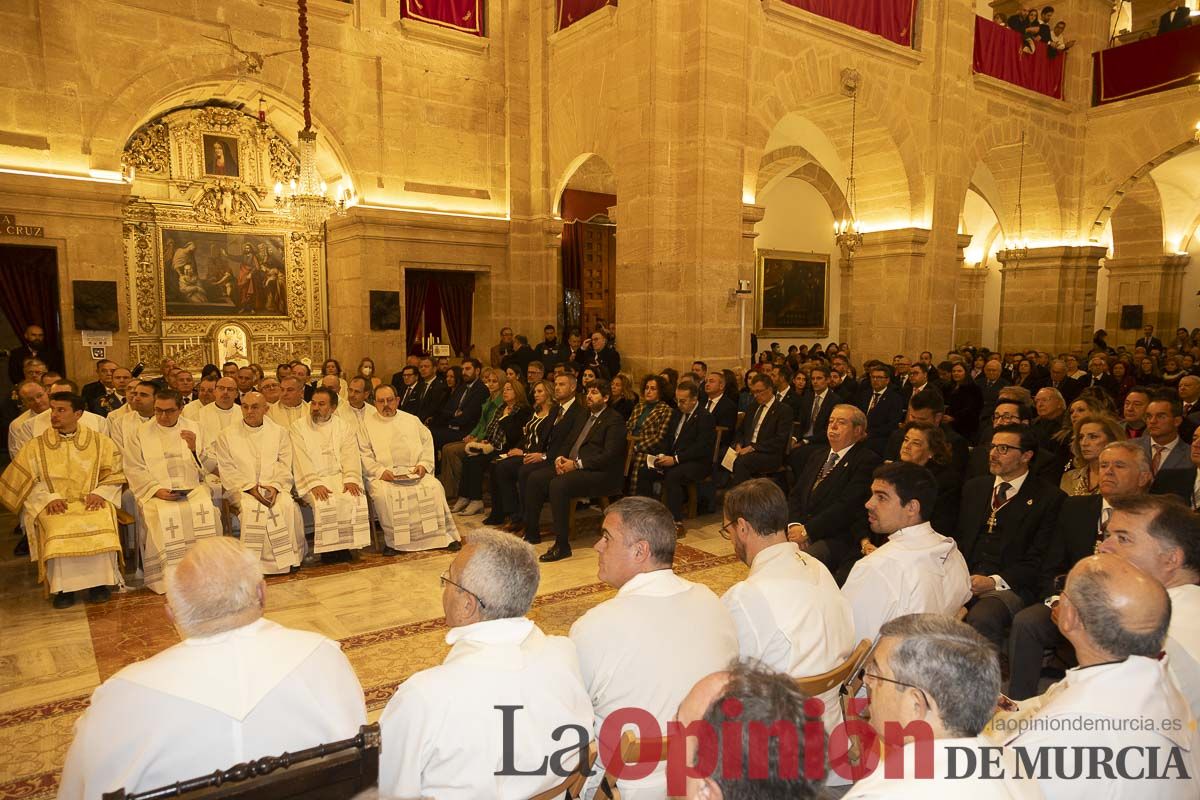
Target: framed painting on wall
{"points": [[214, 273], [221, 155], [792, 294]]}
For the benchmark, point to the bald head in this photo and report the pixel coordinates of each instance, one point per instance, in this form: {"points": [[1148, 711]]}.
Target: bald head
{"points": [[1113, 610]]}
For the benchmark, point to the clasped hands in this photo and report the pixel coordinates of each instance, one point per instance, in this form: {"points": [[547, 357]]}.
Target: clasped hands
{"points": [[564, 465], [264, 494], [92, 502], [419, 470], [796, 533]]}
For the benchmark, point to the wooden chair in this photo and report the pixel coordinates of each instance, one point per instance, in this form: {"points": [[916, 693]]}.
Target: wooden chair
{"points": [[572, 787], [819, 684], [325, 772], [631, 753]]}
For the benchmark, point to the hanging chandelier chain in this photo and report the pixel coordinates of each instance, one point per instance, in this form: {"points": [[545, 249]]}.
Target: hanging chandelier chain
{"points": [[305, 79], [1021, 188], [851, 191]]}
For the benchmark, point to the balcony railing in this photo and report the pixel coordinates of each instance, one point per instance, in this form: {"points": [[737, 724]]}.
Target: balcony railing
{"points": [[1147, 66], [891, 19], [998, 53]]}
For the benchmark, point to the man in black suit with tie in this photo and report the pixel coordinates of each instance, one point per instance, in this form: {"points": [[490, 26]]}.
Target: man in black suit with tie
{"points": [[1124, 471], [1149, 340], [813, 419], [1189, 402], [826, 511], [718, 405], [103, 383], [1005, 525], [990, 383], [1067, 386], [683, 455], [570, 410], [1099, 376], [918, 381], [1182, 482], [884, 408], [409, 390], [461, 412], [590, 462], [1176, 17], [762, 440], [432, 393]]}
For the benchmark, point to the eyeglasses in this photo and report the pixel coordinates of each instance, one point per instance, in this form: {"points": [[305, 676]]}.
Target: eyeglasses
{"points": [[726, 532], [1003, 449], [873, 676], [445, 578], [1006, 418]]}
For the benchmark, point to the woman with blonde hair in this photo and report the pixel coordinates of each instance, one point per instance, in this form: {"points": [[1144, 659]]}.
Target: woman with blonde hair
{"points": [[366, 369], [1092, 433], [624, 398], [503, 430], [506, 505]]}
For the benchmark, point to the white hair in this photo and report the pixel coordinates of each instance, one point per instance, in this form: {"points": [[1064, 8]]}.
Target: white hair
{"points": [[214, 588], [502, 572]]}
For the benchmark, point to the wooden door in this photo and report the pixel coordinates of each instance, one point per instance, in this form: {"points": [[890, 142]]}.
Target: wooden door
{"points": [[598, 295]]}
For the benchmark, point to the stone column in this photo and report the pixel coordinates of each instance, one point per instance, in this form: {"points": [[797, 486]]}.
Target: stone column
{"points": [[972, 279], [1153, 282], [1048, 298], [742, 303], [898, 306]]}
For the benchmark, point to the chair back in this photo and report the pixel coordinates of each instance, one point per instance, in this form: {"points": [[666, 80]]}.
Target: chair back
{"points": [[572, 787], [628, 454], [325, 772], [631, 753], [819, 684], [721, 430]]}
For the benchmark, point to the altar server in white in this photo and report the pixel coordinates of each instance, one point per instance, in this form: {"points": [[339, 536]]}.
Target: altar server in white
{"points": [[237, 688], [255, 460], [647, 647], [917, 570], [358, 401], [291, 407], [442, 730], [788, 612], [1120, 697], [165, 467], [34, 399], [141, 411], [329, 479], [397, 456]]}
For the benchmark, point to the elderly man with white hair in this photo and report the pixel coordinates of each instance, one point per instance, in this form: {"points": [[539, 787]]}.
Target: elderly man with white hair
{"points": [[291, 406], [237, 688], [506, 714]]}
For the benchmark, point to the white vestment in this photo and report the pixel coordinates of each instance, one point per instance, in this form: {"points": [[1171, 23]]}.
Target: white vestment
{"points": [[193, 408], [157, 458], [210, 703], [442, 735], [41, 423], [121, 431], [213, 420], [790, 616], [326, 454], [355, 416], [951, 757], [287, 417], [1183, 643], [646, 648], [20, 431], [413, 513], [249, 457], [917, 571], [1107, 706]]}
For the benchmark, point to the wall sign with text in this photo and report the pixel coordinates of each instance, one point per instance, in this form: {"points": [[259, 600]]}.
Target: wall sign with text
{"points": [[10, 227]]}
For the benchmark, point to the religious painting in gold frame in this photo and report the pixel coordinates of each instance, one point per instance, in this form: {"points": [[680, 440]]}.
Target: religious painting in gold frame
{"points": [[792, 294], [223, 273]]}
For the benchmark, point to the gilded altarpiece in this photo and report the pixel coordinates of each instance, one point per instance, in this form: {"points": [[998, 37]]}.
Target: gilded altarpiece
{"points": [[207, 256]]}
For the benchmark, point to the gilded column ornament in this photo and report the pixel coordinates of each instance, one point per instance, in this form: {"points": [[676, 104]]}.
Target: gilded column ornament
{"points": [[148, 149], [295, 281]]}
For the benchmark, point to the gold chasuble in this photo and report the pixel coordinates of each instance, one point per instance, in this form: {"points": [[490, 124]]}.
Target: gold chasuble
{"points": [[69, 468]]}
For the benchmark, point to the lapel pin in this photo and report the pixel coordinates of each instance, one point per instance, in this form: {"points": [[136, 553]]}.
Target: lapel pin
{"points": [[1029, 502]]}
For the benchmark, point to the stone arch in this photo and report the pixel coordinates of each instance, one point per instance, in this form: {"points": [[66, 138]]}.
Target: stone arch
{"points": [[592, 170], [793, 161], [998, 149], [1137, 223], [1104, 215]]}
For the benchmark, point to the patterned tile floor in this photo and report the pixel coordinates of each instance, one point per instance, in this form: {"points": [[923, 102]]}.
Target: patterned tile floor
{"points": [[386, 612]]}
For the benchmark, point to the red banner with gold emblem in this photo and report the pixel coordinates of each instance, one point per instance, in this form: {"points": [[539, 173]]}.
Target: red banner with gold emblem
{"points": [[459, 15]]}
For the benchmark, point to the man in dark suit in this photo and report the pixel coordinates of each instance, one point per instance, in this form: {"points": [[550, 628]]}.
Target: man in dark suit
{"points": [[1098, 376], [596, 352], [929, 407], [1181, 481], [813, 419], [762, 440], [34, 346], [718, 405], [1176, 17], [1164, 448], [684, 454], [1149, 340], [103, 383], [461, 412], [1005, 525], [1124, 470], [918, 381], [1189, 405], [1067, 386], [884, 408], [589, 462], [408, 390], [570, 411], [520, 357], [990, 383], [826, 511], [432, 392]]}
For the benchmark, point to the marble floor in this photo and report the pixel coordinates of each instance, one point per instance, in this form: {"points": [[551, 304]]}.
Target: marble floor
{"points": [[385, 612]]}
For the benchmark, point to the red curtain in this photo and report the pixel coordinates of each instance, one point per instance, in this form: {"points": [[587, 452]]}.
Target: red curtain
{"points": [[1145, 67], [461, 15], [891, 19], [416, 287], [572, 256], [571, 11], [433, 315], [998, 53], [457, 293], [29, 290], [581, 205]]}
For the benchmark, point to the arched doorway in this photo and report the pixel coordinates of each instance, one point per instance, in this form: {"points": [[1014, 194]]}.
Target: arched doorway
{"points": [[589, 247]]}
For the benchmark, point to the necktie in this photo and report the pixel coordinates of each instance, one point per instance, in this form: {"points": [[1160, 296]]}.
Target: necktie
{"points": [[827, 468], [1156, 462], [712, 404], [874, 400], [587, 428], [1187, 408], [816, 408], [682, 423], [1196, 497], [1001, 496], [754, 425]]}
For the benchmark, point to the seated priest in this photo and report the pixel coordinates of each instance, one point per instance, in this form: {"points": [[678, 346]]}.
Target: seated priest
{"points": [[166, 462], [68, 482], [441, 729], [329, 478], [1117, 617], [683, 455], [397, 458], [937, 675], [237, 688], [255, 460], [41, 422], [291, 405]]}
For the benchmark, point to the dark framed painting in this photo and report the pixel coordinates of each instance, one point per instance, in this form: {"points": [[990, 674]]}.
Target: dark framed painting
{"points": [[95, 305], [793, 294], [385, 310], [221, 155], [212, 273]]}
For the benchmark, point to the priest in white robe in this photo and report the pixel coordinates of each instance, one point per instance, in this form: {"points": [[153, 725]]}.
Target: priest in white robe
{"points": [[68, 481], [206, 394], [176, 715], [917, 571], [41, 422], [165, 466], [397, 456], [214, 418], [291, 406], [646, 647], [141, 411], [34, 399], [788, 612], [255, 461], [1116, 616], [329, 479], [357, 405], [442, 731]]}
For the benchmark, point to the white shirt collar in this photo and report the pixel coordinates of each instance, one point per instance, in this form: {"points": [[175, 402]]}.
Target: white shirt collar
{"points": [[1014, 485], [841, 454], [1167, 448], [657, 583], [920, 529], [774, 553], [510, 630]]}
